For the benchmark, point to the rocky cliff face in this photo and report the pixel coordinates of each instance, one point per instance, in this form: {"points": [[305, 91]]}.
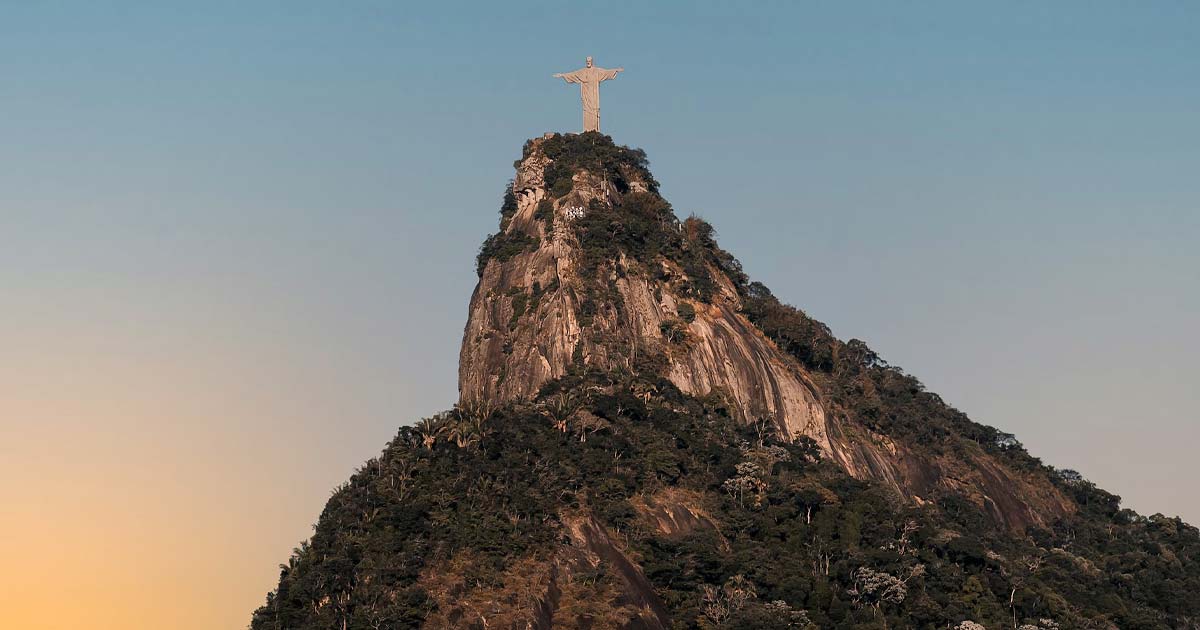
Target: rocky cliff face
{"points": [[525, 324], [646, 439], [549, 306]]}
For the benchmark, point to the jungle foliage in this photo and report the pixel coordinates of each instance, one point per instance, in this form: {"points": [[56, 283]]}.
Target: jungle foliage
{"points": [[796, 542], [467, 508]]}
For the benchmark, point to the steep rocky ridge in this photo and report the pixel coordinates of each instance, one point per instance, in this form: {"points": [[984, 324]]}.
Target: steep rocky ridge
{"points": [[542, 310], [647, 439]]}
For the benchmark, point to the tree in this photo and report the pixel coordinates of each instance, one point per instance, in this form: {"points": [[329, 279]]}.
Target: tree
{"points": [[718, 604], [875, 588], [430, 429], [559, 408], [812, 495], [1025, 570], [747, 482]]}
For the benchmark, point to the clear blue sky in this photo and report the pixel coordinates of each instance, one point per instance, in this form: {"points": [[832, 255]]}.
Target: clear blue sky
{"points": [[237, 239]]}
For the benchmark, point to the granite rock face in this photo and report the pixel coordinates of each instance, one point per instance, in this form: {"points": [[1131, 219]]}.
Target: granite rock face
{"points": [[659, 460], [531, 320], [525, 325]]}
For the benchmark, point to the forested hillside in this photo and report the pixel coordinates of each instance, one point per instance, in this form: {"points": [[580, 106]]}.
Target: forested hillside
{"points": [[649, 439]]}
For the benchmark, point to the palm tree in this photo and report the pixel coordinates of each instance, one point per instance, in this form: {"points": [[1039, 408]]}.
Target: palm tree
{"points": [[430, 429], [559, 409], [463, 431], [467, 424], [644, 391], [480, 408]]}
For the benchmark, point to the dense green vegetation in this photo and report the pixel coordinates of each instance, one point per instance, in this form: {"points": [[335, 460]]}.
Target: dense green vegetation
{"points": [[596, 153], [877, 395], [463, 515], [642, 225], [793, 533], [503, 246]]}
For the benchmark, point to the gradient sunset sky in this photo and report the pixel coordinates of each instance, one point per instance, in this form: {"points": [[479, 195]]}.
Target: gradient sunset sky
{"points": [[237, 241]]}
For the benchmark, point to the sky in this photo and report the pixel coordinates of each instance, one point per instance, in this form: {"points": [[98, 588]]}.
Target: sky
{"points": [[237, 241]]}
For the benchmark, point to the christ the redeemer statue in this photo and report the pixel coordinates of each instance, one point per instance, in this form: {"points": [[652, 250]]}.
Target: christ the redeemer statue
{"points": [[589, 79]]}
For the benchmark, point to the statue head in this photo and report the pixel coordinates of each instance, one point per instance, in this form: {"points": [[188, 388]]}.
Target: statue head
{"points": [[589, 62]]}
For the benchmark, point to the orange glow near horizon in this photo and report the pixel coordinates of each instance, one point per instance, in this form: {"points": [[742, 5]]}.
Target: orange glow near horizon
{"points": [[148, 487]]}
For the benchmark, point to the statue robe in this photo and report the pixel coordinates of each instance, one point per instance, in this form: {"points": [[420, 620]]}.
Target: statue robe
{"points": [[589, 92]]}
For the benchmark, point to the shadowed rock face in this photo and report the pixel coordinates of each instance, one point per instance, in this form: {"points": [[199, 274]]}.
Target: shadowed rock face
{"points": [[593, 545], [677, 513], [541, 591], [528, 323]]}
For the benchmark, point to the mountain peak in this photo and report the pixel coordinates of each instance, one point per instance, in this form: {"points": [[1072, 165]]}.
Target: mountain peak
{"points": [[648, 439], [592, 270]]}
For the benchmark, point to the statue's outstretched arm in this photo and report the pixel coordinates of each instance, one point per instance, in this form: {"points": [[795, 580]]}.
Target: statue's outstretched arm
{"points": [[610, 73], [569, 77]]}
